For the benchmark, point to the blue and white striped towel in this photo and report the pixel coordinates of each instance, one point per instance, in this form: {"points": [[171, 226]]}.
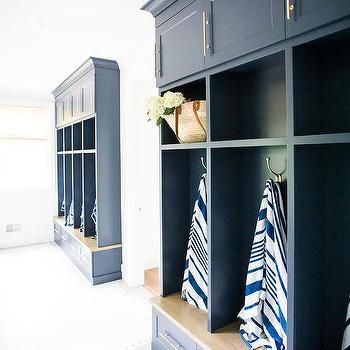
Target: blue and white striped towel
{"points": [[81, 228], [195, 282], [346, 338], [94, 214], [70, 216], [63, 206], [265, 310]]}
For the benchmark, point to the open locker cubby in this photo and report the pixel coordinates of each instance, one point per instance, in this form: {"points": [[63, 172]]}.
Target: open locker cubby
{"points": [[68, 195], [322, 245], [77, 188], [77, 137], [181, 174], [68, 138], [192, 91], [59, 140], [60, 184], [321, 85], [249, 101], [238, 178], [89, 193], [89, 134]]}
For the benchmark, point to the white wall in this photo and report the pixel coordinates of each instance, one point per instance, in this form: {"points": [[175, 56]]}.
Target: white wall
{"points": [[26, 188], [29, 208], [42, 41]]}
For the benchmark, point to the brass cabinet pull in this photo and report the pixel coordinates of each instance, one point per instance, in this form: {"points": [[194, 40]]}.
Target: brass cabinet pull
{"points": [[171, 341], [156, 69], [155, 60], [204, 24], [289, 8]]}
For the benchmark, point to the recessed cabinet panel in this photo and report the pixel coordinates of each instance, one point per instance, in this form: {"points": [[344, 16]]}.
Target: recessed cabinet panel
{"points": [[59, 112], [87, 97], [179, 44], [67, 109], [308, 14], [237, 27], [76, 103]]}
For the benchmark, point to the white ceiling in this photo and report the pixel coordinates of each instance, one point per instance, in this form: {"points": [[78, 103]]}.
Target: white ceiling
{"points": [[42, 41]]}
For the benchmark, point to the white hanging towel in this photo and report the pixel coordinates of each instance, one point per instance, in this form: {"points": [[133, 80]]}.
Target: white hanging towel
{"points": [[195, 282], [346, 338], [264, 313], [81, 228], [70, 216], [94, 214]]}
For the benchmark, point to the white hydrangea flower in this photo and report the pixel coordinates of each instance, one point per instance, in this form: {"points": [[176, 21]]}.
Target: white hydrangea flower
{"points": [[159, 106], [155, 107], [173, 99]]}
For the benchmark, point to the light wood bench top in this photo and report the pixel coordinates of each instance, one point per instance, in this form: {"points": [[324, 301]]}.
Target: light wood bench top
{"points": [[193, 322], [88, 242]]}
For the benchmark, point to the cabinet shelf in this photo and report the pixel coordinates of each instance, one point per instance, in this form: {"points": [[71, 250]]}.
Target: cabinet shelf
{"points": [[322, 139], [277, 141], [273, 141], [183, 146], [89, 242], [78, 152]]}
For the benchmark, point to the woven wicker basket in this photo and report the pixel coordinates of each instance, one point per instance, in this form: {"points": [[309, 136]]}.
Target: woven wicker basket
{"points": [[189, 122]]}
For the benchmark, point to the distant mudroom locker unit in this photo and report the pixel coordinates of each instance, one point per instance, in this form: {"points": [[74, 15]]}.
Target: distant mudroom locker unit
{"points": [[271, 218], [88, 224]]}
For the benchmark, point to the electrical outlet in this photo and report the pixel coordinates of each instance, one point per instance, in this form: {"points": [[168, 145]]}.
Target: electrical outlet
{"points": [[13, 227]]}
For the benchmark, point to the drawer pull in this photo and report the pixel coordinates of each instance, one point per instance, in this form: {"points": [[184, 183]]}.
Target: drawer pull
{"points": [[64, 238], [171, 341]]}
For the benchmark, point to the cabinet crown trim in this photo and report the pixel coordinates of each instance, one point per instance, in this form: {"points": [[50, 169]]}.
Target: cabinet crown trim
{"points": [[90, 63], [155, 7]]}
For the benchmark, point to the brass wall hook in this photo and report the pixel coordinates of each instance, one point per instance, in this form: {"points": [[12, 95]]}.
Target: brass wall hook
{"points": [[202, 161], [278, 177]]}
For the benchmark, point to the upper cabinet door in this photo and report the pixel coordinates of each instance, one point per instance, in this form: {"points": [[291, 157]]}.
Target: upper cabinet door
{"points": [[179, 44], [236, 27], [303, 15]]}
